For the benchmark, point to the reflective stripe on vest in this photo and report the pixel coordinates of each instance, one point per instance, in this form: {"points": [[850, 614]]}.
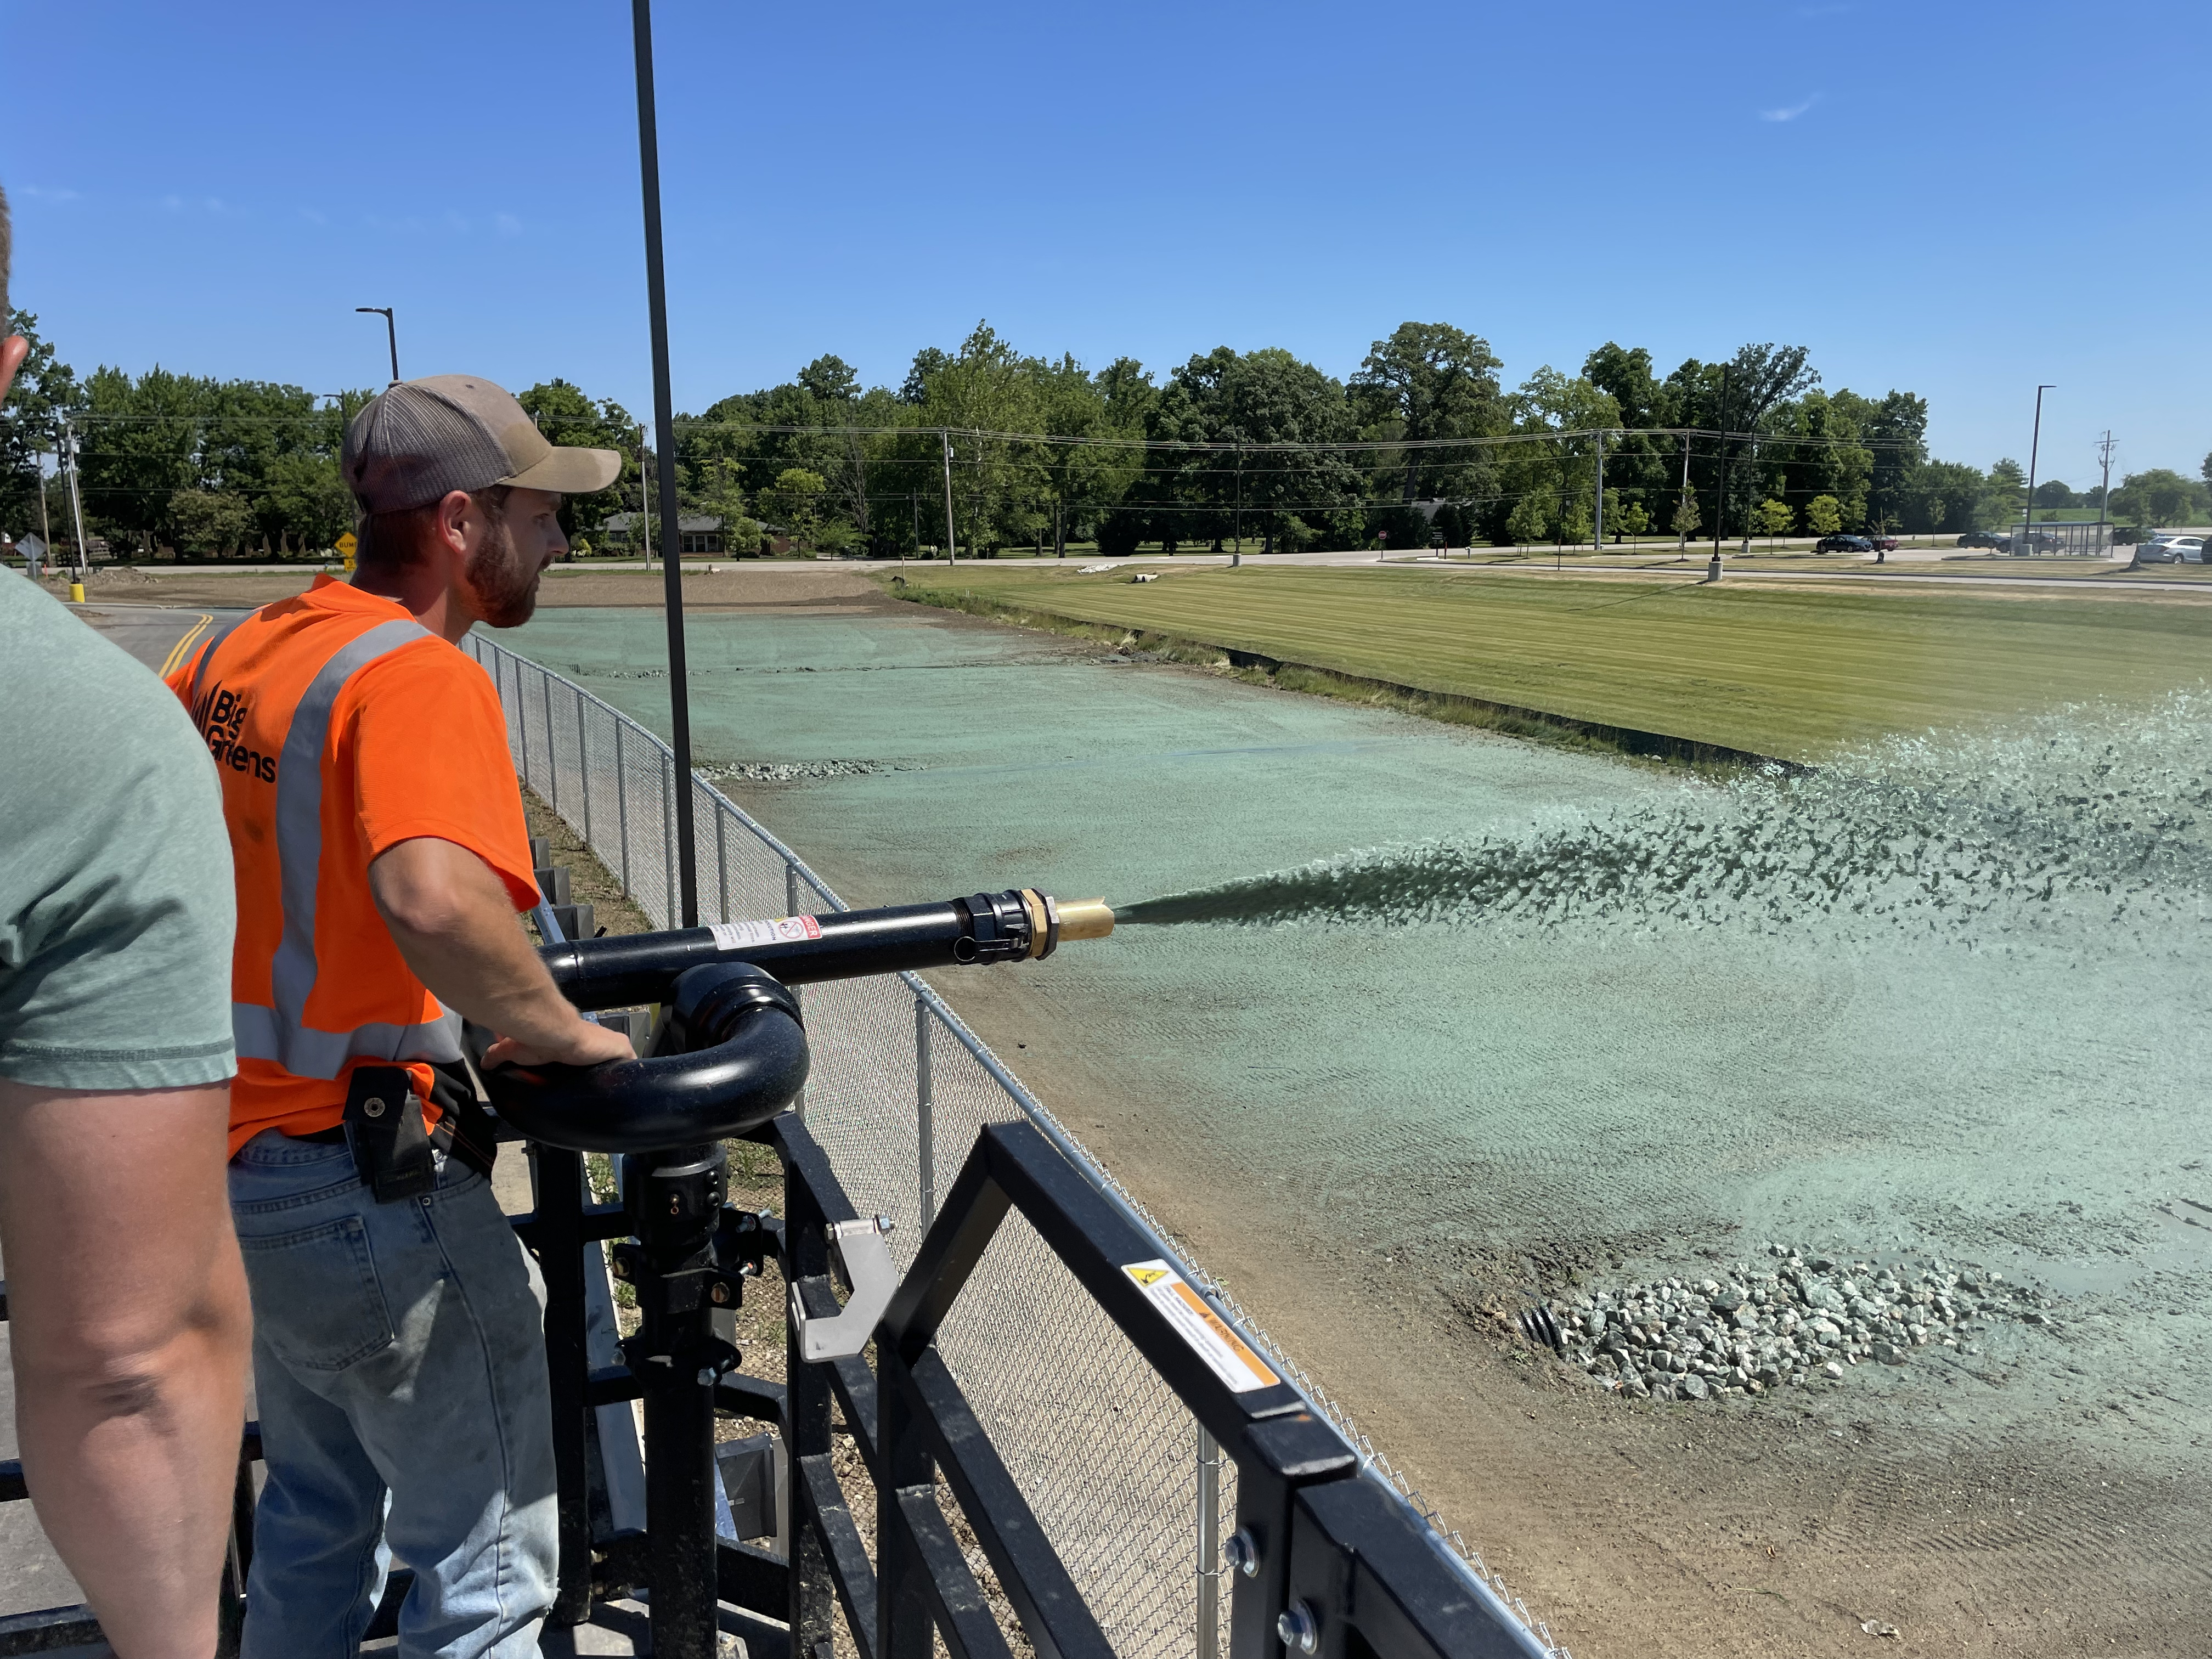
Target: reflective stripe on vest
{"points": [[281, 1034]]}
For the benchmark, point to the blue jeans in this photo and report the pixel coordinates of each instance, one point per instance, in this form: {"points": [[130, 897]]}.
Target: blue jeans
{"points": [[399, 1364]]}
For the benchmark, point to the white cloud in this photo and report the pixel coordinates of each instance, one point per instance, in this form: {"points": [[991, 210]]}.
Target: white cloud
{"points": [[1788, 112], [508, 224], [49, 195]]}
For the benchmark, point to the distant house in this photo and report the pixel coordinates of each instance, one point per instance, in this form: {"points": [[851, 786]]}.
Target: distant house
{"points": [[701, 532]]}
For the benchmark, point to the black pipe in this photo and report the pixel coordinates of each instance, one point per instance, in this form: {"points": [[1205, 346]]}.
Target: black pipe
{"points": [[623, 971], [747, 1062]]}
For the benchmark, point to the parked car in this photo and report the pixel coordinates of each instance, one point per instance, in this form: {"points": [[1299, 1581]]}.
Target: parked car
{"points": [[2037, 541], [1883, 543], [1845, 544], [2172, 548], [1988, 539]]}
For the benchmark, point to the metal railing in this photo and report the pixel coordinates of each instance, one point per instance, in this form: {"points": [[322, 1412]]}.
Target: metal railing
{"points": [[1128, 1488]]}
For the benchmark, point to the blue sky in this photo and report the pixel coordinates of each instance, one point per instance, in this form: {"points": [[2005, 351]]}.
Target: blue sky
{"points": [[1962, 199]]}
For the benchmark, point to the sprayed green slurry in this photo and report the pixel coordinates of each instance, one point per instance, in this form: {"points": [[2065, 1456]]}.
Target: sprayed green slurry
{"points": [[1788, 673], [1619, 1082], [2064, 820]]}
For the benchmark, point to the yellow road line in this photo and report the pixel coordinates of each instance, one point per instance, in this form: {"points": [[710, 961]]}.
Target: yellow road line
{"points": [[177, 652]]}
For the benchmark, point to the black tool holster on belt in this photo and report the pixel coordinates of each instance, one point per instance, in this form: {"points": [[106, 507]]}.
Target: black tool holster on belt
{"points": [[392, 1151]]}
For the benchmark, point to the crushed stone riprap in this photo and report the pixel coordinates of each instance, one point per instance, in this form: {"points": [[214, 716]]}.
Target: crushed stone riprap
{"points": [[1799, 1319], [798, 771]]}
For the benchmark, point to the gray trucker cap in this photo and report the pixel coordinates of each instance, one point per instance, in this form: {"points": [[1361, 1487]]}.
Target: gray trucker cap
{"points": [[418, 441]]}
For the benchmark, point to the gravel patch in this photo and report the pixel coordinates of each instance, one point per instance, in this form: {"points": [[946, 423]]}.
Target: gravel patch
{"points": [[1798, 1319], [796, 771]]}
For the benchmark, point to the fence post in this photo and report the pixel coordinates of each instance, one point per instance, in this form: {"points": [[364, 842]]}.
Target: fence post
{"points": [[1209, 1545], [621, 804], [798, 992], [924, 1104], [584, 762], [522, 720], [667, 839], [721, 859], [552, 749]]}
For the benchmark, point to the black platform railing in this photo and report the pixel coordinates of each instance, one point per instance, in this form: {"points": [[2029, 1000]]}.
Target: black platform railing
{"points": [[1325, 1559]]}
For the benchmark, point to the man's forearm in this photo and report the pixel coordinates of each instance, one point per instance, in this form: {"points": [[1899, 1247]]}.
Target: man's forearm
{"points": [[484, 967], [450, 917], [130, 1327]]}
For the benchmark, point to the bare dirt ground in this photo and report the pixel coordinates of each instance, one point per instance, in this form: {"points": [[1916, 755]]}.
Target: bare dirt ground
{"points": [[1779, 1526], [792, 586]]}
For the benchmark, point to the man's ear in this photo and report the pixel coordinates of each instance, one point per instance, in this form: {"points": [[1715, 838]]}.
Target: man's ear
{"points": [[453, 521], [13, 350]]}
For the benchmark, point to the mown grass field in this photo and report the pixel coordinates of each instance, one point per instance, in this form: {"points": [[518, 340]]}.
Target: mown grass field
{"points": [[1777, 670]]}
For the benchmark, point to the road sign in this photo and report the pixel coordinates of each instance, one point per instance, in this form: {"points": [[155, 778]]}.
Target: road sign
{"points": [[346, 545]]}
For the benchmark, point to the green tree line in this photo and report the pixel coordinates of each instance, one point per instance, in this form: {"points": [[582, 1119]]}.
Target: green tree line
{"points": [[1423, 443]]}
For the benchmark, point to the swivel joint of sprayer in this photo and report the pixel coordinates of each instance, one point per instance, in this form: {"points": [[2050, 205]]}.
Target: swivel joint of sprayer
{"points": [[1027, 924]]}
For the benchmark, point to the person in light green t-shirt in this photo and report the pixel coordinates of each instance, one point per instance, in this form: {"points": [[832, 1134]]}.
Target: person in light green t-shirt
{"points": [[127, 1324], [115, 888]]}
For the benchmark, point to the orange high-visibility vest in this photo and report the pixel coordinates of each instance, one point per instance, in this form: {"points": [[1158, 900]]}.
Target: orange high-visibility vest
{"points": [[341, 727]]}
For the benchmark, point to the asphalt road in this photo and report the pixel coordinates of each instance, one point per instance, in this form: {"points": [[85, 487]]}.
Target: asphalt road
{"points": [[155, 633]]}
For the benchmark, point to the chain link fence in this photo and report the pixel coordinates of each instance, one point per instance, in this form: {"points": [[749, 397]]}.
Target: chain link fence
{"points": [[1123, 1482]]}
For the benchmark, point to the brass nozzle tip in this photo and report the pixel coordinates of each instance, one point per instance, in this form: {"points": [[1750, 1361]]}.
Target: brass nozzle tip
{"points": [[1085, 918]]}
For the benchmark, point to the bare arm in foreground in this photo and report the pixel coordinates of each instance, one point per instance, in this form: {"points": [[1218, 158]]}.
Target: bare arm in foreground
{"points": [[129, 1328], [450, 915]]}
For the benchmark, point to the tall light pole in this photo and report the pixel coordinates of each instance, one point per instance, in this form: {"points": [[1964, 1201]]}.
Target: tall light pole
{"points": [[2027, 513], [391, 334]]}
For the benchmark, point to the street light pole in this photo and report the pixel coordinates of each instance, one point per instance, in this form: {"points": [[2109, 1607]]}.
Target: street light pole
{"points": [[391, 334], [2027, 512]]}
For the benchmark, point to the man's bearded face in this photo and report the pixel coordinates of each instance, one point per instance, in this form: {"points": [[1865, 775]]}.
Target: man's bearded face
{"points": [[503, 582]]}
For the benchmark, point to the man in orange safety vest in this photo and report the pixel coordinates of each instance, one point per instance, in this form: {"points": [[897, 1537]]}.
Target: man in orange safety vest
{"points": [[381, 855]]}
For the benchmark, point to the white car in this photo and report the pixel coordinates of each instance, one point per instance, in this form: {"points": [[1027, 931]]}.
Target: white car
{"points": [[2172, 547]]}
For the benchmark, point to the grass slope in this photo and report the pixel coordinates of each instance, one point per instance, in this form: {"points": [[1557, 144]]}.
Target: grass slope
{"points": [[1777, 671]]}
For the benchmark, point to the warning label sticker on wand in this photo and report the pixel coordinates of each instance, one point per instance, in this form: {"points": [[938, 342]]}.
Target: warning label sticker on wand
{"points": [[748, 935], [1226, 1353]]}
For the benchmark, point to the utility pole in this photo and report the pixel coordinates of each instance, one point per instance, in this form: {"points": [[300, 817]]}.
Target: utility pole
{"points": [[951, 540], [1597, 543], [672, 1627], [1720, 506], [391, 334], [1682, 535], [914, 507], [76, 501], [645, 493], [1240, 504], [2027, 512], [2104, 496]]}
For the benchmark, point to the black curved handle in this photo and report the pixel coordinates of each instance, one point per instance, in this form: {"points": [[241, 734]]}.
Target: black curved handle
{"points": [[741, 1058]]}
